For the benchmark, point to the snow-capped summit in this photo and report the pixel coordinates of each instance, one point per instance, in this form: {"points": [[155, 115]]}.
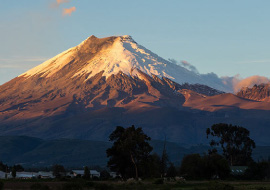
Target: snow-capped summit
{"points": [[112, 55]]}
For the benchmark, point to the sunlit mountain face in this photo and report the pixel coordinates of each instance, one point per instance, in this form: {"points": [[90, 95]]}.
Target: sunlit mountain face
{"points": [[89, 89]]}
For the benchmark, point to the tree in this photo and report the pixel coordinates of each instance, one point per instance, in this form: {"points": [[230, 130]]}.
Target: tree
{"points": [[18, 168], [258, 171], [104, 175], [216, 166], [192, 166], [153, 167], [164, 160], [58, 170], [86, 174], [210, 166], [234, 141], [13, 172], [3, 167], [171, 172], [130, 149]]}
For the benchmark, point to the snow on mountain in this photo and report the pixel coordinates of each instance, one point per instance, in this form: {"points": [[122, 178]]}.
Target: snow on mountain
{"points": [[125, 55]]}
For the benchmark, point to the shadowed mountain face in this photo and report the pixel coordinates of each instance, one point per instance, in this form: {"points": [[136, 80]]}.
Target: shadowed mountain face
{"points": [[257, 92], [87, 90]]}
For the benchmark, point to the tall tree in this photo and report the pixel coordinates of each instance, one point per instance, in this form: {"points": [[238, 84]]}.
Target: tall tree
{"points": [[171, 172], [164, 160], [235, 142], [129, 150], [58, 170], [86, 174], [13, 172]]}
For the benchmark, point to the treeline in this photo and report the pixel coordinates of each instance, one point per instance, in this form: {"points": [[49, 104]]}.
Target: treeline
{"points": [[131, 157]]}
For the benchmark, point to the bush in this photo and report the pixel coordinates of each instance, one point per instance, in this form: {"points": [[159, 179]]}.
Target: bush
{"points": [[261, 188], [220, 186], [39, 186], [103, 186], [89, 184], [159, 181], [1, 185], [72, 186]]}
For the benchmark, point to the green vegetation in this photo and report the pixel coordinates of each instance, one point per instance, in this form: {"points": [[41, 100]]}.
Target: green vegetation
{"points": [[130, 152], [39, 186], [130, 156], [157, 184], [234, 141]]}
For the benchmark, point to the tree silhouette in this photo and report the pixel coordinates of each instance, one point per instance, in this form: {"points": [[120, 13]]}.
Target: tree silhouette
{"points": [[130, 149], [234, 141]]}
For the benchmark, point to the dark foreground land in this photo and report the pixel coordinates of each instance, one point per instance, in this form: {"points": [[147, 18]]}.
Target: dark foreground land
{"points": [[142, 185]]}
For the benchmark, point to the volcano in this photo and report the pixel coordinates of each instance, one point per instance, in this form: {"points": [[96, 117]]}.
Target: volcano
{"points": [[89, 89]]}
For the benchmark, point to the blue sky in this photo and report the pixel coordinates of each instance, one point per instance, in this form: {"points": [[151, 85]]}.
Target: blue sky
{"points": [[225, 37]]}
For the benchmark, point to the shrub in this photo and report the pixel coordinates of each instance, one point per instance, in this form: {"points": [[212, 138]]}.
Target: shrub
{"points": [[89, 184], [103, 186], [1, 185], [261, 188], [38, 186], [159, 181], [220, 186], [72, 186]]}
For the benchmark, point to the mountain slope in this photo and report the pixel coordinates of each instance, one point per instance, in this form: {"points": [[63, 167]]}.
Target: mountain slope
{"points": [[87, 90]]}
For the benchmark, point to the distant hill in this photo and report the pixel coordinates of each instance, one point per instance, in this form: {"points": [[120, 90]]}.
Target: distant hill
{"points": [[33, 153]]}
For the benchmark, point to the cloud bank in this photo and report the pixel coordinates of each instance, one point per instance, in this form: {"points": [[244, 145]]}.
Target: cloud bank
{"points": [[231, 84], [248, 82]]}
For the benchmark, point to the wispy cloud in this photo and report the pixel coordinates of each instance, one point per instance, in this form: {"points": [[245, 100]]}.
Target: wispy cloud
{"points": [[20, 62], [65, 11], [186, 65], [253, 61], [69, 11], [58, 2], [34, 59], [62, 1]]}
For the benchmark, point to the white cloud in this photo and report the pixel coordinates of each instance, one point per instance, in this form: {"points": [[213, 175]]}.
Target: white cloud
{"points": [[21, 62]]}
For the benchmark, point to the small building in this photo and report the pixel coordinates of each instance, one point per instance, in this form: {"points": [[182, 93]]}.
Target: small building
{"points": [[45, 175], [238, 170], [78, 173], [26, 175], [3, 175], [114, 175], [94, 173]]}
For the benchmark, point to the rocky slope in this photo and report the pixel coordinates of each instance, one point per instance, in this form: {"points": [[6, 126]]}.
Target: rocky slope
{"points": [[259, 92]]}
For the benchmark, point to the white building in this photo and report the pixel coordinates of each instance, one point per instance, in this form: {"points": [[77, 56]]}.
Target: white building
{"points": [[3, 175], [45, 175], [26, 175], [94, 173], [78, 173]]}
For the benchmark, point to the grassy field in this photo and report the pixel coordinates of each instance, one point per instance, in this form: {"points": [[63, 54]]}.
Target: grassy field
{"points": [[144, 185]]}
